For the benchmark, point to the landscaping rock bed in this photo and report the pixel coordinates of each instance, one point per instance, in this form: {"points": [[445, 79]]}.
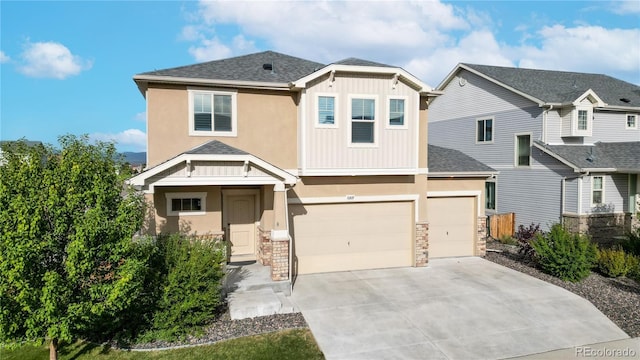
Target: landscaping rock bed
{"points": [[617, 298], [225, 328]]}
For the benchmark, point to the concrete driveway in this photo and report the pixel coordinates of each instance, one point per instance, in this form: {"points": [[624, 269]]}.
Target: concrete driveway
{"points": [[457, 308]]}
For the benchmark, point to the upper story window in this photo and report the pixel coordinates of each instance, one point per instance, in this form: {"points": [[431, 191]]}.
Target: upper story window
{"points": [[583, 119], [326, 111], [484, 133], [397, 112], [597, 190], [186, 203], [632, 121], [523, 150], [363, 120], [212, 113]]}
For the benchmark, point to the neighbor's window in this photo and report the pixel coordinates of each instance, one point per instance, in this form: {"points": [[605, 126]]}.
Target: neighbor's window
{"points": [[485, 130], [490, 195], [213, 113], [363, 117], [186, 203], [597, 190], [326, 110], [632, 121], [396, 112], [583, 119], [523, 150]]}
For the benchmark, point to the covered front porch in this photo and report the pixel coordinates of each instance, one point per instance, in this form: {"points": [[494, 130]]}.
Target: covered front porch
{"points": [[223, 193]]}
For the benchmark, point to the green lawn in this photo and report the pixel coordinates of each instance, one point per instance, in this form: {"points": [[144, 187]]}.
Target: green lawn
{"points": [[288, 344]]}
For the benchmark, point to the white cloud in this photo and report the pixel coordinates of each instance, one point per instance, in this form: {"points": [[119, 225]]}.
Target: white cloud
{"points": [[141, 116], [427, 38], [133, 139], [626, 7], [51, 60], [4, 57]]}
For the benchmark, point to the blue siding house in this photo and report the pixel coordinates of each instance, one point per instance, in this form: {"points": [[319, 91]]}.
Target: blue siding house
{"points": [[566, 144]]}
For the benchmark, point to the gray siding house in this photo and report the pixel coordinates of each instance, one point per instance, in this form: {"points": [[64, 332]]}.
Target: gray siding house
{"points": [[566, 145]]}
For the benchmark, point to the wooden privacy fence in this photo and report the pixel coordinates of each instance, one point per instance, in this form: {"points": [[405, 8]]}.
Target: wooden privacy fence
{"points": [[502, 225]]}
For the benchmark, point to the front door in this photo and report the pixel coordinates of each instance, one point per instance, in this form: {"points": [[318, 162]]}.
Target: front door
{"points": [[241, 226]]}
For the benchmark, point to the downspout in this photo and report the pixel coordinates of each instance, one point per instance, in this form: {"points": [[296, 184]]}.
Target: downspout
{"points": [[286, 211], [544, 123]]}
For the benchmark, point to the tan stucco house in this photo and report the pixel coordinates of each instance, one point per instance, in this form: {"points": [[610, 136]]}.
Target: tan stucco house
{"points": [[306, 167]]}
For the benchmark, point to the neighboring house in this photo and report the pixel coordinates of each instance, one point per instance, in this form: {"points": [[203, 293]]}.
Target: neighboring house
{"points": [[567, 145], [305, 167]]}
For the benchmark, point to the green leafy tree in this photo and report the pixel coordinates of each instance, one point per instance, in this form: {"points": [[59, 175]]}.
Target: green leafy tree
{"points": [[67, 259]]}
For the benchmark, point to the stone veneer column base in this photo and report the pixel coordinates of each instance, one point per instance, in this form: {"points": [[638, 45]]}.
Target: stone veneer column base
{"points": [[265, 247], [422, 244], [481, 242], [602, 228], [280, 260]]}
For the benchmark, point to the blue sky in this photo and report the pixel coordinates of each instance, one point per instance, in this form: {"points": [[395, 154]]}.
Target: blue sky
{"points": [[67, 67]]}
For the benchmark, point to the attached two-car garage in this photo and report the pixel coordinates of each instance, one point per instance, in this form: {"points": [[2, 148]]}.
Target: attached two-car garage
{"points": [[371, 235], [352, 236]]}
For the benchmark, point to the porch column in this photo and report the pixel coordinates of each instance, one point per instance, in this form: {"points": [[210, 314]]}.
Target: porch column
{"points": [[280, 235]]}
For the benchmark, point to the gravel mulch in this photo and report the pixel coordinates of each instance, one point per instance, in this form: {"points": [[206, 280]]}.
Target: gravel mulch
{"points": [[618, 299], [224, 328]]}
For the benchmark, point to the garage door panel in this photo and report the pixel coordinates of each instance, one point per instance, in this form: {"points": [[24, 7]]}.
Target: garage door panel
{"points": [[339, 237], [451, 226]]}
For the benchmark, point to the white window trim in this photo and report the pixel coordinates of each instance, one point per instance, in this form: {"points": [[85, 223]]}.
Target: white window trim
{"points": [[335, 111], [234, 113], [626, 122], [574, 123], [515, 150], [375, 122], [493, 129], [405, 125], [592, 190], [186, 195]]}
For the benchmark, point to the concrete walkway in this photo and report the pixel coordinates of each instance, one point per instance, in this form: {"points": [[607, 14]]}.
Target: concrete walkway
{"points": [[457, 308]]}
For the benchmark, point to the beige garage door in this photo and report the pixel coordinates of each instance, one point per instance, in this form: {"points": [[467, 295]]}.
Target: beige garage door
{"points": [[340, 237], [451, 226]]}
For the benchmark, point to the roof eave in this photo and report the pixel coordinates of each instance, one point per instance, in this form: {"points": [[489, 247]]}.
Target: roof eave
{"points": [[462, 174], [145, 79]]}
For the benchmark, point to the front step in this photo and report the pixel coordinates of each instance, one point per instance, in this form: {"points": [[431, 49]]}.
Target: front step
{"points": [[261, 302]]}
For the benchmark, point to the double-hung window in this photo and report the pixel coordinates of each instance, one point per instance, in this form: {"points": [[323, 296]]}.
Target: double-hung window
{"points": [[523, 150], [484, 132], [597, 190], [363, 120], [326, 111], [632, 121], [396, 113], [212, 113], [186, 203], [583, 120]]}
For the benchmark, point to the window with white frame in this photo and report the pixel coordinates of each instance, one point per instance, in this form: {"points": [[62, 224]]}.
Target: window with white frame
{"points": [[484, 131], [212, 113], [597, 190], [396, 112], [632, 121], [490, 195], [186, 203], [583, 119], [523, 150], [363, 120], [326, 111]]}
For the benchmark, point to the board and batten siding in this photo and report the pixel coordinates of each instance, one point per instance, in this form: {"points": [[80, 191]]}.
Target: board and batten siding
{"points": [[476, 96], [330, 148], [616, 194]]}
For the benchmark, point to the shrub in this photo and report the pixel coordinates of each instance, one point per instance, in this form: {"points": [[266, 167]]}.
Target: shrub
{"points": [[634, 268], [614, 262], [567, 256], [192, 290], [508, 240], [632, 244], [524, 236]]}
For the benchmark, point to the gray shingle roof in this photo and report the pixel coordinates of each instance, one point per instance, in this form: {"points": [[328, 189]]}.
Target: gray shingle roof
{"points": [[250, 67], [561, 86], [623, 156], [447, 160], [359, 62], [215, 147]]}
